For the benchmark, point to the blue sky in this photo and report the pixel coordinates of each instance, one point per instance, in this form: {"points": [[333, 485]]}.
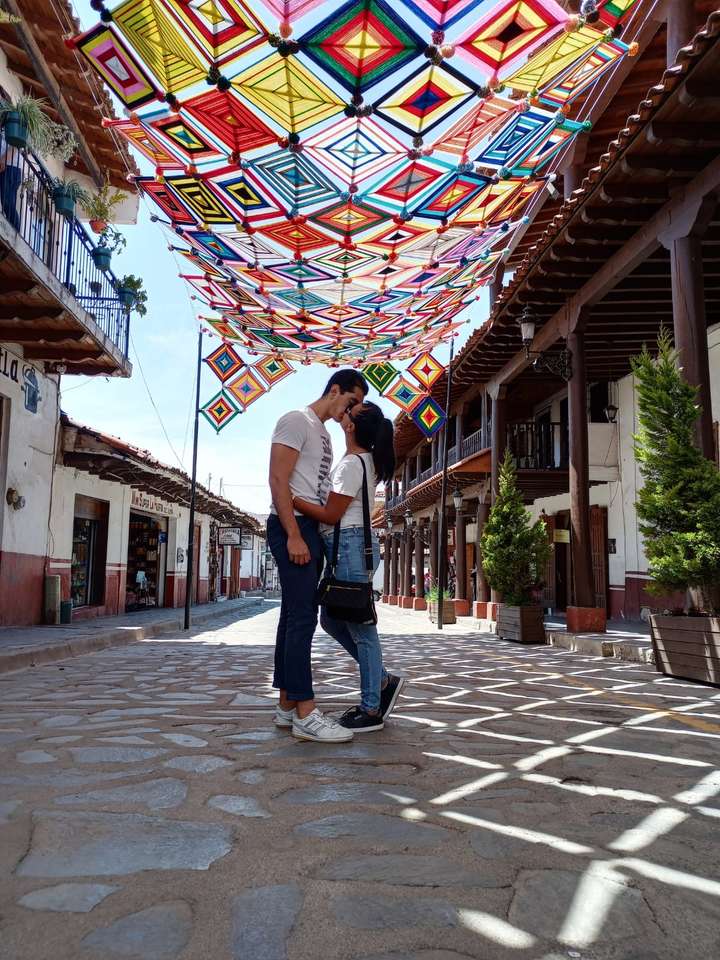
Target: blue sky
{"points": [[164, 344]]}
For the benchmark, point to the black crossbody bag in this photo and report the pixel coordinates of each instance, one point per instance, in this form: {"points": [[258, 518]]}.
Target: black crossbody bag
{"points": [[347, 599]]}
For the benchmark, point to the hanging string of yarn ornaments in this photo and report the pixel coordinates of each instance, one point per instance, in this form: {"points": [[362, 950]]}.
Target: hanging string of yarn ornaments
{"points": [[314, 160]]}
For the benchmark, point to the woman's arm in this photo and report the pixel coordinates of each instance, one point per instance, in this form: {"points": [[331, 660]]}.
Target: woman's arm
{"points": [[332, 511]]}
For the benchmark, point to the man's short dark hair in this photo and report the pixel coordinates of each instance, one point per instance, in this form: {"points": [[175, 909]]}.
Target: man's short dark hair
{"points": [[347, 380]]}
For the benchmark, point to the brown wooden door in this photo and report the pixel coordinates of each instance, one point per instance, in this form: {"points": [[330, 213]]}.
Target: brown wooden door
{"points": [[196, 563], [235, 573], [598, 545]]}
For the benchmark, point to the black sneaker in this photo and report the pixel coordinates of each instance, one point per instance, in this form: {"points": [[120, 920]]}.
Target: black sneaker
{"points": [[389, 695], [359, 721]]}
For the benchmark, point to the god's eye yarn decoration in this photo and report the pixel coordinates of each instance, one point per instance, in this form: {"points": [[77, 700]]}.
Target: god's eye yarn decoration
{"points": [[220, 411], [428, 416], [342, 177]]}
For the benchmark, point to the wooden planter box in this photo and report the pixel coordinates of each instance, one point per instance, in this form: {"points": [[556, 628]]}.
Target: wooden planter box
{"points": [[448, 611], [522, 624], [687, 647]]}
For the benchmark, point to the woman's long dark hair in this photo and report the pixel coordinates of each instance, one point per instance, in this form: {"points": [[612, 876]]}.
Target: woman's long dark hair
{"points": [[374, 433]]}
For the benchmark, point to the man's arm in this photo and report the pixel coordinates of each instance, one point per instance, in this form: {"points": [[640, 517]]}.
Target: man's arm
{"points": [[282, 464], [333, 510]]}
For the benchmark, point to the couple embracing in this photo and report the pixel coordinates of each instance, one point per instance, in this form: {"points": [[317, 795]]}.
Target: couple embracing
{"points": [[315, 509]]}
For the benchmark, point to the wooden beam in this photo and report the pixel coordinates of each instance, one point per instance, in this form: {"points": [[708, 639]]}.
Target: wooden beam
{"points": [[62, 354], [689, 134], [25, 313], [620, 265], [52, 87], [33, 334]]}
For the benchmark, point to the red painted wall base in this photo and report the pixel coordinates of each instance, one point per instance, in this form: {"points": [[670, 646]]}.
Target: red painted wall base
{"points": [[393, 601], [406, 603], [586, 619], [22, 582], [462, 608], [419, 603]]}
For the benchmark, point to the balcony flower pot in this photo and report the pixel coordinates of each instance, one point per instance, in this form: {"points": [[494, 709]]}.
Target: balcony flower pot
{"points": [[521, 624], [126, 296], [64, 201], [15, 129], [448, 611], [97, 226], [102, 257]]}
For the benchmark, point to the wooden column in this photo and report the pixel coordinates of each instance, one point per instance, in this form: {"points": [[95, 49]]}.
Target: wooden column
{"points": [[483, 588], [681, 27], [434, 534], [690, 329], [418, 463], [462, 604], [408, 543], [582, 615], [419, 600], [459, 433], [401, 564], [498, 439], [394, 585]]}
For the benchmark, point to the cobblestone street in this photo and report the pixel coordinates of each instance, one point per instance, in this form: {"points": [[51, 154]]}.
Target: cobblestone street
{"points": [[522, 802]]}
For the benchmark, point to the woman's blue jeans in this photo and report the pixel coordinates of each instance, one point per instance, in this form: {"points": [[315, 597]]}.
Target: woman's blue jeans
{"points": [[359, 639]]}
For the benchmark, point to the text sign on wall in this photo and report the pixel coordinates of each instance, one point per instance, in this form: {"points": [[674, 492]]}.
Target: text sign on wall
{"points": [[230, 536], [561, 536], [144, 501]]}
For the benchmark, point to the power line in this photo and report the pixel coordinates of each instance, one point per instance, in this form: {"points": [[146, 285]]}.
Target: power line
{"points": [[154, 405]]}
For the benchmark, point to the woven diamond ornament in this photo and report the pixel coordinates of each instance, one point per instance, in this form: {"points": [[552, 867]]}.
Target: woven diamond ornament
{"points": [[405, 394], [380, 375], [426, 370], [220, 411], [246, 388], [428, 416], [224, 362], [273, 369]]}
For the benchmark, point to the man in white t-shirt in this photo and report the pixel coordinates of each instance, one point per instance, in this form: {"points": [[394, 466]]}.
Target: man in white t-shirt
{"points": [[300, 461]]}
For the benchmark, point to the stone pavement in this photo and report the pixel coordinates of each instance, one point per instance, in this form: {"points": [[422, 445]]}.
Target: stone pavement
{"points": [[524, 802], [28, 646]]}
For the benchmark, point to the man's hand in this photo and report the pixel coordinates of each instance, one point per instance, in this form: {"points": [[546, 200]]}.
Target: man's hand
{"points": [[297, 549]]}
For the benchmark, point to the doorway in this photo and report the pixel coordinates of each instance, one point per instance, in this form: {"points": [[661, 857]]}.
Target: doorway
{"points": [[145, 575], [561, 538]]}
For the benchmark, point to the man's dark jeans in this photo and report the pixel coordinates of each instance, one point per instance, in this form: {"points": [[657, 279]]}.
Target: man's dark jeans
{"points": [[298, 608]]}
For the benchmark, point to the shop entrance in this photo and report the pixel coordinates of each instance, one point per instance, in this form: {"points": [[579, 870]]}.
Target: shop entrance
{"points": [[145, 585]]}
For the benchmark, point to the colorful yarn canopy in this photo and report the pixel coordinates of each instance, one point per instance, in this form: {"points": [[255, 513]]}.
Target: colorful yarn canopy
{"points": [[341, 178]]}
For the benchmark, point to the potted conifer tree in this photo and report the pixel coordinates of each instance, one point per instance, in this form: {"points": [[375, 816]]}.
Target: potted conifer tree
{"points": [[514, 554], [679, 512]]}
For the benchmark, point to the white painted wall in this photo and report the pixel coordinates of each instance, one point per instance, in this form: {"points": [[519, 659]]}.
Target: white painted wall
{"points": [[27, 454]]}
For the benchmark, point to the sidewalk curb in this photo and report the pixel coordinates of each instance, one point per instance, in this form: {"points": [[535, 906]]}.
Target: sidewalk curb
{"points": [[112, 637], [630, 651]]}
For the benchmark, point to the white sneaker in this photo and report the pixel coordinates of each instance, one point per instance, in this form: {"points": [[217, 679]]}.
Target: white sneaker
{"points": [[284, 718], [316, 726]]}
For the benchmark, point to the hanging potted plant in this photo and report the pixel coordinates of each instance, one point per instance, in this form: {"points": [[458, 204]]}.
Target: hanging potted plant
{"points": [[514, 554], [110, 241], [100, 207], [679, 512], [132, 294], [65, 194], [448, 615], [25, 122]]}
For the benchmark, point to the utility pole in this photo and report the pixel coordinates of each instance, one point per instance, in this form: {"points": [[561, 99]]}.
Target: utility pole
{"points": [[193, 488]]}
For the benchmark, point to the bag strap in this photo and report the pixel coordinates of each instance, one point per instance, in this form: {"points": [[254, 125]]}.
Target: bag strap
{"points": [[369, 557], [369, 562]]}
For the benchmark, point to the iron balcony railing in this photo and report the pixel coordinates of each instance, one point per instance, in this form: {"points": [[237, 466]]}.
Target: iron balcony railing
{"points": [[473, 444], [538, 445], [62, 243]]}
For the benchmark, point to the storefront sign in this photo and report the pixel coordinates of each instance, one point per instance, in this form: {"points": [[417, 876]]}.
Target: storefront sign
{"points": [[230, 536], [144, 501]]}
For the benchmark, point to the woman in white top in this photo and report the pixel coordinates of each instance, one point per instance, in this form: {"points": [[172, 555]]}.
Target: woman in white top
{"points": [[368, 435]]}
